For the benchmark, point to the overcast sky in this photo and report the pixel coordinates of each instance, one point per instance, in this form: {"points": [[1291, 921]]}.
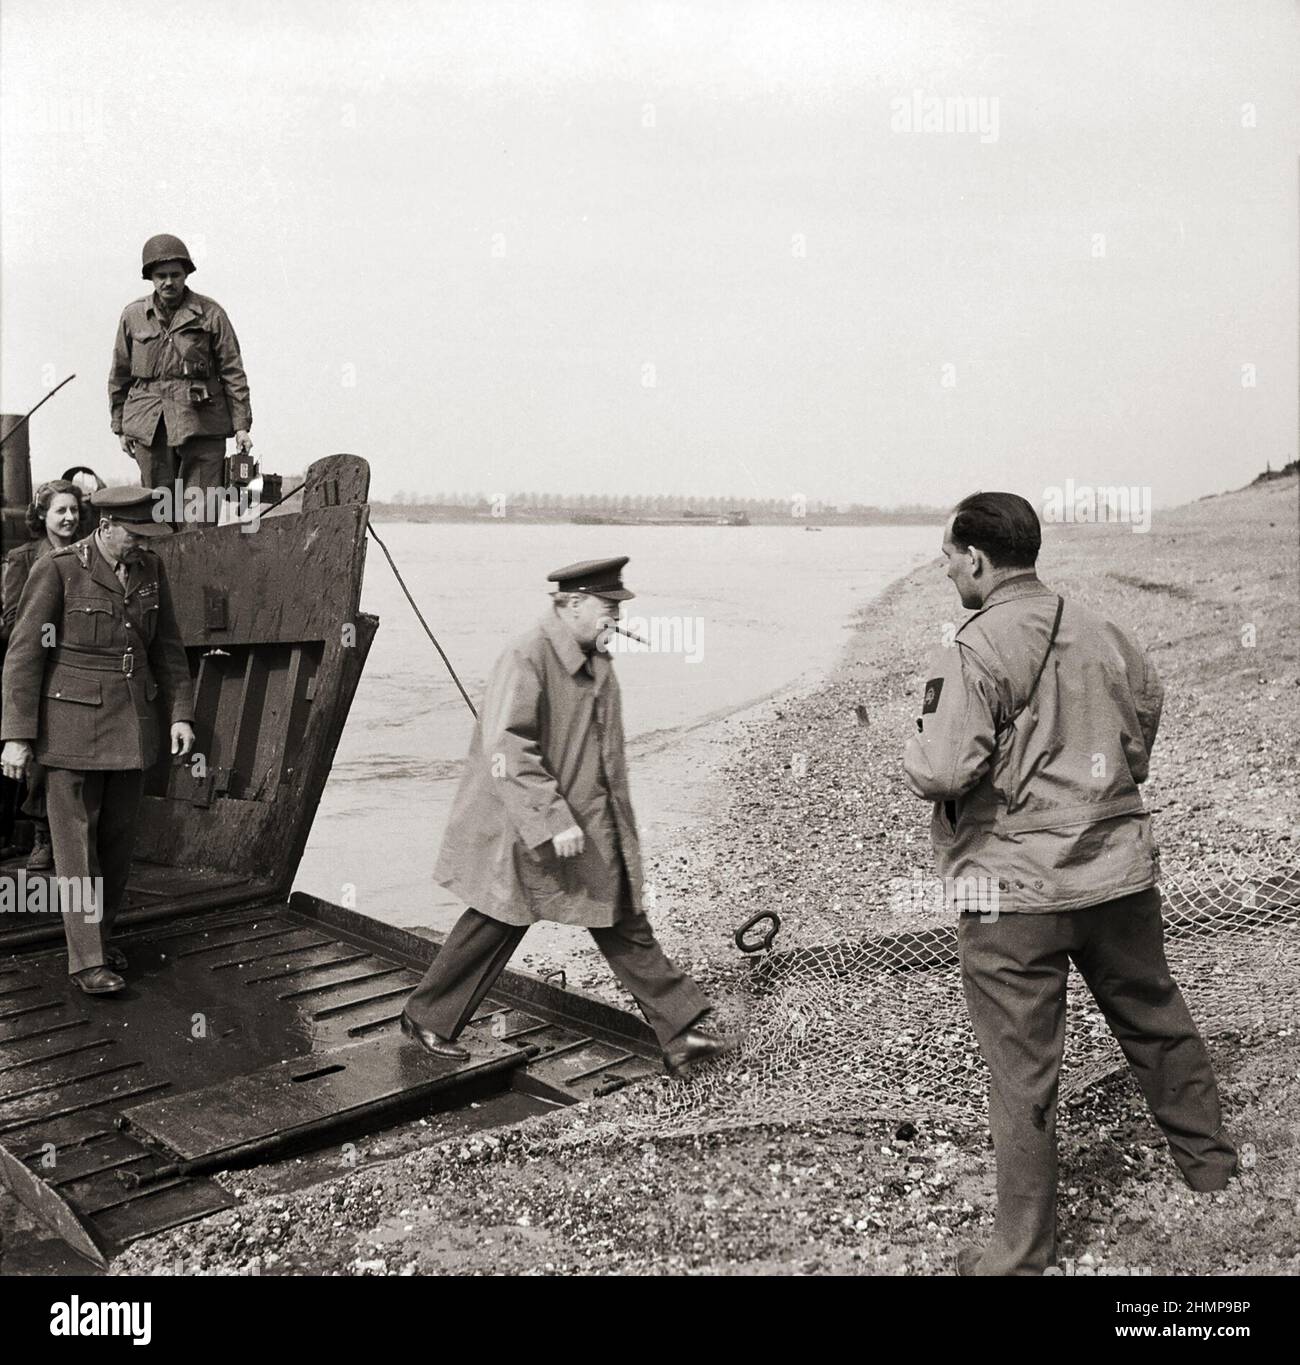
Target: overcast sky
{"points": [[682, 247]]}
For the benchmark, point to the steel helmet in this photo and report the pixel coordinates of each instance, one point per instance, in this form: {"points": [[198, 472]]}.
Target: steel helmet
{"points": [[164, 247]]}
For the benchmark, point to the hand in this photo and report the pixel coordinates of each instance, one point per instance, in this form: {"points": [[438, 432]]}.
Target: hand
{"points": [[570, 842], [16, 758], [126, 443], [182, 737], [243, 442]]}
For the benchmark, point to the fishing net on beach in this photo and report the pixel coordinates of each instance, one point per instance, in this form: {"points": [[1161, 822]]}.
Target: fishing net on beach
{"points": [[878, 1028]]}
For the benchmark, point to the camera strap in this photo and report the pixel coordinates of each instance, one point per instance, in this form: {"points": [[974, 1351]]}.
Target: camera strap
{"points": [[1033, 687]]}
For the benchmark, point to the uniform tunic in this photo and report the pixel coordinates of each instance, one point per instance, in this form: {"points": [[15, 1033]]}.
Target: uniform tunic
{"points": [[87, 661], [17, 568]]}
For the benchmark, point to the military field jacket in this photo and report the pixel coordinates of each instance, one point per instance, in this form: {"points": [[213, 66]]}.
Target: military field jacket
{"points": [[547, 753], [187, 372], [18, 565], [1038, 796], [87, 661]]}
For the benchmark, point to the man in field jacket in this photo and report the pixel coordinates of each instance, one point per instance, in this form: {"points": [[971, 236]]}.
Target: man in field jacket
{"points": [[542, 828], [1037, 723], [177, 388], [94, 650]]}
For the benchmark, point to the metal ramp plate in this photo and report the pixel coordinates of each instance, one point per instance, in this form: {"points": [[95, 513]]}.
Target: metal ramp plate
{"points": [[328, 1089], [242, 1032]]}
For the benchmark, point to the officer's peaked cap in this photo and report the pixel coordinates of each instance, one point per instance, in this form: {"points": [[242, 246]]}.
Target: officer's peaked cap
{"points": [[600, 577], [133, 507]]}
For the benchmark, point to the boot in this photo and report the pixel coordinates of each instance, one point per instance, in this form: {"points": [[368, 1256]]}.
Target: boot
{"points": [[41, 858]]}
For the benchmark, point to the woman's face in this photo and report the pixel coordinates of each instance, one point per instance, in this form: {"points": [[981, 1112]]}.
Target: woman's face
{"points": [[64, 516]]}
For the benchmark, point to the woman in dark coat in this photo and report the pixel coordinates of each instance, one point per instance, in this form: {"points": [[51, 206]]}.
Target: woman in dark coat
{"points": [[54, 518]]}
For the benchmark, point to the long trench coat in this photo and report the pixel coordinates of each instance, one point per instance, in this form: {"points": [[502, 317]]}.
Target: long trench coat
{"points": [[547, 753]]}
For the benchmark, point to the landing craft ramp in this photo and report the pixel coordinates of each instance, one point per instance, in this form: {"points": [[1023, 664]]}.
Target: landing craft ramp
{"points": [[255, 1022]]}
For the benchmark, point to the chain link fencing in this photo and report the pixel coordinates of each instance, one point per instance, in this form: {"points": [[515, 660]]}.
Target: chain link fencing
{"points": [[878, 1027]]}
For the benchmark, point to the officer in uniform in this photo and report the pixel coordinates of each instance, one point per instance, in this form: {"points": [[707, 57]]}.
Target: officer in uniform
{"points": [[542, 828], [54, 517], [94, 647], [177, 387], [1035, 732]]}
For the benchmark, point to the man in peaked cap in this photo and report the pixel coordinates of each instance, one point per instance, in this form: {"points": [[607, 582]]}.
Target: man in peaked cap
{"points": [[542, 828], [94, 645], [177, 387]]}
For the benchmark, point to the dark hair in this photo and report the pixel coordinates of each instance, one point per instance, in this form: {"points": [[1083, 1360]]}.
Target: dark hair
{"points": [[1003, 525], [45, 495]]}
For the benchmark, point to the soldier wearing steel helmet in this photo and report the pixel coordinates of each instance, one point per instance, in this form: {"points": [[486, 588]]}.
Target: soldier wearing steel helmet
{"points": [[177, 389]]}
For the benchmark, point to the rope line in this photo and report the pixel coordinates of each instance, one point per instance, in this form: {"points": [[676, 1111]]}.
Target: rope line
{"points": [[402, 583]]}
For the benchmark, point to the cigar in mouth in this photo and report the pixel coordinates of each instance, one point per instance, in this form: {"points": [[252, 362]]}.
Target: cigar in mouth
{"points": [[631, 635]]}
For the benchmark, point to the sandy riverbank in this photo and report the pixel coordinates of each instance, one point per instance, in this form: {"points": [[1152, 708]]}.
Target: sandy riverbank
{"points": [[807, 816]]}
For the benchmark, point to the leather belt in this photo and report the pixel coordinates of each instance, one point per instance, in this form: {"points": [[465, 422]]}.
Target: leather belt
{"points": [[95, 659]]}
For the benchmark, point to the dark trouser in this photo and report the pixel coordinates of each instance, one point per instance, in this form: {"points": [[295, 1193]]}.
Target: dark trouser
{"points": [[92, 826], [478, 948], [197, 463], [1014, 973]]}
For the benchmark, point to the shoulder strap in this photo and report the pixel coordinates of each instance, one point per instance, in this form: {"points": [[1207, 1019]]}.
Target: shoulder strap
{"points": [[1033, 687]]}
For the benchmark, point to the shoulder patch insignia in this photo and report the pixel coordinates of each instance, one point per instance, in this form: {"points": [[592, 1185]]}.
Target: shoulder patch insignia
{"points": [[932, 690]]}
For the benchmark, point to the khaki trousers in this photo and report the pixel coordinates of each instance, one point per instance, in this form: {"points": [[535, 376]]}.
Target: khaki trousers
{"points": [[197, 463], [92, 827], [1014, 973]]}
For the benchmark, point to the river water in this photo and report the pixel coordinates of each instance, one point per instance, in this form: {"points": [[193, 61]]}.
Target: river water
{"points": [[736, 613]]}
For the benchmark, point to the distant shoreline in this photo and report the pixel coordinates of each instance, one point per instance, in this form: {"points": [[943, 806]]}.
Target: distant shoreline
{"points": [[424, 512]]}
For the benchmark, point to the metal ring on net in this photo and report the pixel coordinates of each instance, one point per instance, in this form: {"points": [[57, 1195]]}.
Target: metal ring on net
{"points": [[763, 943]]}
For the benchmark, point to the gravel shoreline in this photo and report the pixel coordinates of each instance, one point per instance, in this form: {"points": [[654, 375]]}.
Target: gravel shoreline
{"points": [[809, 818]]}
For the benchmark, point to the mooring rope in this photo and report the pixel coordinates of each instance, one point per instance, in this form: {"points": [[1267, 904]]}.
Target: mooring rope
{"points": [[402, 583]]}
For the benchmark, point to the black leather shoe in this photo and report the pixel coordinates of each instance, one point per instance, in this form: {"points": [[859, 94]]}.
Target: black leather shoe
{"points": [[99, 981], [693, 1045], [430, 1042], [116, 958]]}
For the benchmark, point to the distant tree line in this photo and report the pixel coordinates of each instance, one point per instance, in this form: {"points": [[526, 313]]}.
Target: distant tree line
{"points": [[639, 504]]}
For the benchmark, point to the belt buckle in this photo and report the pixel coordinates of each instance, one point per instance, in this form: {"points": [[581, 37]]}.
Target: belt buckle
{"points": [[128, 664]]}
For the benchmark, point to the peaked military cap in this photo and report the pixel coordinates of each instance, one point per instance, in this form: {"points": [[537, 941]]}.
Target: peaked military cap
{"points": [[133, 507], [600, 577]]}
